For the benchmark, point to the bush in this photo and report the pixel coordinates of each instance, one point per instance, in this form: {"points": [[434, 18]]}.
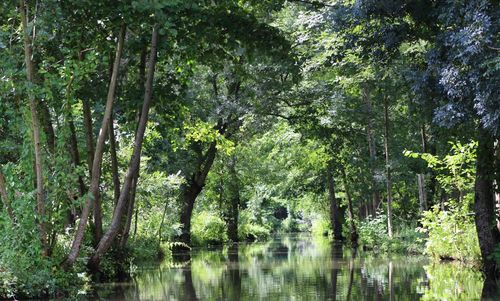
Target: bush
{"points": [[451, 234], [208, 228], [250, 230], [253, 232], [290, 225], [373, 234], [24, 273]]}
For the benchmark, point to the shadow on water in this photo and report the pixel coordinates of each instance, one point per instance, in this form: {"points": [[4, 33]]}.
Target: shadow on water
{"points": [[298, 268]]}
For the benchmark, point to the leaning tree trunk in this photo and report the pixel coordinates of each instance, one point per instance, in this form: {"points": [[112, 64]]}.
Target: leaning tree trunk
{"points": [[40, 193], [335, 218], [388, 167], [133, 167], [114, 160], [97, 161], [127, 220], [193, 188], [485, 217]]}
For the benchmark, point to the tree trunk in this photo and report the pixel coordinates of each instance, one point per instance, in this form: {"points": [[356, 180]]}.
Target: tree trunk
{"points": [[234, 202], [352, 226], [335, 218], [75, 154], [485, 217], [422, 192], [388, 167], [47, 127], [5, 197], [192, 189], [373, 152], [133, 167], [127, 221], [114, 161], [75, 159], [89, 140], [30, 69], [97, 160], [189, 194], [89, 134], [125, 233]]}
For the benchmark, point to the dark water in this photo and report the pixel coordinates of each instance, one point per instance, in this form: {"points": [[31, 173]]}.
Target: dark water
{"points": [[297, 268]]}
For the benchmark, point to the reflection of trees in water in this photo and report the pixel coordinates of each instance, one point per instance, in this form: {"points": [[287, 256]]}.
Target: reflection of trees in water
{"points": [[189, 290], [337, 255], [302, 269]]}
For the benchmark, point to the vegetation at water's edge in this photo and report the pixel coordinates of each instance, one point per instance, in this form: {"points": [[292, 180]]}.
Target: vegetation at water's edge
{"points": [[129, 129]]}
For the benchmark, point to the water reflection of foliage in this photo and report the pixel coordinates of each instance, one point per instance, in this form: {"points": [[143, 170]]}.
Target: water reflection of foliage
{"points": [[303, 269], [452, 281]]}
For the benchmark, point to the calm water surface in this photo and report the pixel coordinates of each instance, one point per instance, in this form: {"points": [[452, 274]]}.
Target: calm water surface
{"points": [[296, 268]]}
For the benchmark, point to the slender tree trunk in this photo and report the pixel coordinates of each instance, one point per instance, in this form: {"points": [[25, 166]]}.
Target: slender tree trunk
{"points": [[373, 152], [30, 69], [234, 202], [75, 158], [5, 197], [99, 150], [127, 221], [129, 214], [352, 226], [48, 128], [75, 154], [133, 167], [89, 134], [114, 161], [388, 167], [422, 192], [89, 140], [485, 217], [335, 218]]}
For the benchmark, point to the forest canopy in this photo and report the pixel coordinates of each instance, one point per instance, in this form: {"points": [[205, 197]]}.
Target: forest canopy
{"points": [[132, 129]]}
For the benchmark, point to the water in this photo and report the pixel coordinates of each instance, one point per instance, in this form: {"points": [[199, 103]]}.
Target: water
{"points": [[296, 268]]}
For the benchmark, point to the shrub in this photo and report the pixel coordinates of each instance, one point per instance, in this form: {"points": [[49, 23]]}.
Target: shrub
{"points": [[373, 234], [290, 225], [208, 228], [373, 231], [451, 234], [250, 230]]}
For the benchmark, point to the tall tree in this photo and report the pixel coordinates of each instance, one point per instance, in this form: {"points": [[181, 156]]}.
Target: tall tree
{"points": [[133, 168], [35, 126], [99, 150]]}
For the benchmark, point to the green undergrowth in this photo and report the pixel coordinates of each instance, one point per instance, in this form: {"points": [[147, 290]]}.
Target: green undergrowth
{"points": [[373, 234], [451, 234]]}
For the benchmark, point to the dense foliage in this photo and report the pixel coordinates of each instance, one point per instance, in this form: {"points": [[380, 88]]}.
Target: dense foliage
{"points": [[132, 129]]}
